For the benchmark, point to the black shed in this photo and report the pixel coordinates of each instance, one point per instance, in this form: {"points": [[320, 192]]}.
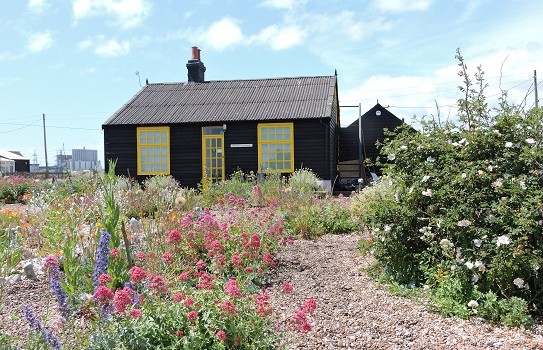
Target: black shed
{"points": [[201, 129]]}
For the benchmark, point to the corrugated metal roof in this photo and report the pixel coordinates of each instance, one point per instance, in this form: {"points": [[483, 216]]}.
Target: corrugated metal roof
{"points": [[229, 100]]}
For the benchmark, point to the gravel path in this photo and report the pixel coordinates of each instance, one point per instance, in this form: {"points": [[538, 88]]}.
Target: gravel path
{"points": [[353, 313]]}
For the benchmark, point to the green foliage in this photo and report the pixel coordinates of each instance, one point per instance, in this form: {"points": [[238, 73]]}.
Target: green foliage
{"points": [[303, 180], [462, 211], [15, 188]]}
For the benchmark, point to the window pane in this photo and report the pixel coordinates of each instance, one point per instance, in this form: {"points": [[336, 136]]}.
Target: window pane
{"points": [[265, 148], [144, 150], [265, 156], [157, 137], [157, 150], [144, 167], [164, 159], [287, 156], [164, 167], [286, 165], [279, 156], [151, 151]]}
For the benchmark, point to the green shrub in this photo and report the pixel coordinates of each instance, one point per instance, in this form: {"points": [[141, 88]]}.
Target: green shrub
{"points": [[303, 180], [464, 211]]}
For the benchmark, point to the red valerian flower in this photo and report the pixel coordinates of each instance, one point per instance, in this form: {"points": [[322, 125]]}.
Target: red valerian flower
{"points": [[178, 297], [167, 258], [200, 264], [221, 335], [122, 300], [267, 259], [192, 315], [228, 307], [174, 236], [231, 288], [286, 288], [135, 313], [104, 278], [309, 306], [103, 293], [137, 274], [189, 302], [141, 256]]}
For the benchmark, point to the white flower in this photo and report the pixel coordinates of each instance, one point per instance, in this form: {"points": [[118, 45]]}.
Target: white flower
{"points": [[530, 141], [522, 185], [410, 189], [396, 197], [403, 148], [430, 159], [387, 228], [455, 144], [480, 172], [497, 183], [425, 178], [453, 267], [469, 265], [480, 266], [427, 193], [473, 304], [464, 223], [519, 282], [503, 240], [497, 132], [464, 175], [477, 242], [426, 287], [490, 168], [509, 144], [391, 157], [446, 244], [475, 278], [462, 141]]}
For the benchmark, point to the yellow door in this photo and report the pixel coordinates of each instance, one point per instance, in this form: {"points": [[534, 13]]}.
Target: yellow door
{"points": [[212, 154]]}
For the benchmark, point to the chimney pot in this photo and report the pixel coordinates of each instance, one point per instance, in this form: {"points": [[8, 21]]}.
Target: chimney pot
{"points": [[195, 53]]}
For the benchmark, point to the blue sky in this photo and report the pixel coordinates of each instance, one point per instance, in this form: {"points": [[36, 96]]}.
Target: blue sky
{"points": [[76, 60]]}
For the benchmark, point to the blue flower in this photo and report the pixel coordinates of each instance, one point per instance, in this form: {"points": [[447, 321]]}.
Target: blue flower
{"points": [[58, 292], [102, 257], [35, 325]]}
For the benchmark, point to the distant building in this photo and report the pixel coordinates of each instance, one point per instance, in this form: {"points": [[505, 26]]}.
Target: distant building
{"points": [[64, 162], [84, 159], [13, 162]]}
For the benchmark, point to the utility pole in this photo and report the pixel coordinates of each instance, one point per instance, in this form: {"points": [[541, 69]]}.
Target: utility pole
{"points": [[535, 89], [45, 146]]}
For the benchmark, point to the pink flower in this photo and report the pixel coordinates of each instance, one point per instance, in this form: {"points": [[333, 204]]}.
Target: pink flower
{"points": [[192, 315], [231, 288], [255, 241], [50, 264], [249, 269], [267, 259], [205, 281], [115, 252], [184, 276], [167, 258], [309, 306], [200, 264], [174, 236], [122, 300], [178, 297], [221, 335], [179, 333], [158, 283], [236, 260], [137, 274], [189, 302], [228, 307], [286, 288], [135, 313], [141, 256], [305, 327], [104, 278], [103, 293]]}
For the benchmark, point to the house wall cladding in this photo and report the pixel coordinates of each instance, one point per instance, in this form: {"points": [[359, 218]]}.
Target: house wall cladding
{"points": [[311, 145]]}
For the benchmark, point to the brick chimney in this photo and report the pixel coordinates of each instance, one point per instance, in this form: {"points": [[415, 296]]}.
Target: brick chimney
{"points": [[195, 67]]}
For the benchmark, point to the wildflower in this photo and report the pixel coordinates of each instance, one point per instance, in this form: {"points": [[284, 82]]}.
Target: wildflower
{"points": [[58, 291], [236, 260], [221, 335], [469, 265], [480, 266], [135, 313], [430, 159], [231, 288], [192, 315], [141, 256], [403, 148], [522, 185], [387, 228], [446, 244], [474, 278], [286, 288], [309, 306], [36, 326], [137, 274], [464, 175], [121, 300], [267, 259], [497, 183], [103, 294], [503, 240], [255, 241], [519, 282], [104, 278], [184, 276], [102, 257], [391, 157], [189, 302], [477, 242], [115, 252], [530, 141], [249, 269], [167, 258], [178, 297], [205, 281], [473, 304], [427, 193], [464, 223], [50, 264], [509, 144], [179, 333], [174, 236], [425, 178], [200, 264], [229, 307]]}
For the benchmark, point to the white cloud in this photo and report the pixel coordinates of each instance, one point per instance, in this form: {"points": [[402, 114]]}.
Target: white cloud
{"points": [[37, 6], [222, 34], [40, 41], [279, 4], [106, 47], [127, 13], [401, 5], [280, 38]]}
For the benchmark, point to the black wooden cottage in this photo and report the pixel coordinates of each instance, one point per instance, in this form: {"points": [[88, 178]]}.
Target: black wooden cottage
{"points": [[372, 123], [209, 129]]}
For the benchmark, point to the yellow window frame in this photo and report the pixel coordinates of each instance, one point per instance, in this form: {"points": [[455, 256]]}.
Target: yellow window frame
{"points": [[274, 143], [150, 140]]}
